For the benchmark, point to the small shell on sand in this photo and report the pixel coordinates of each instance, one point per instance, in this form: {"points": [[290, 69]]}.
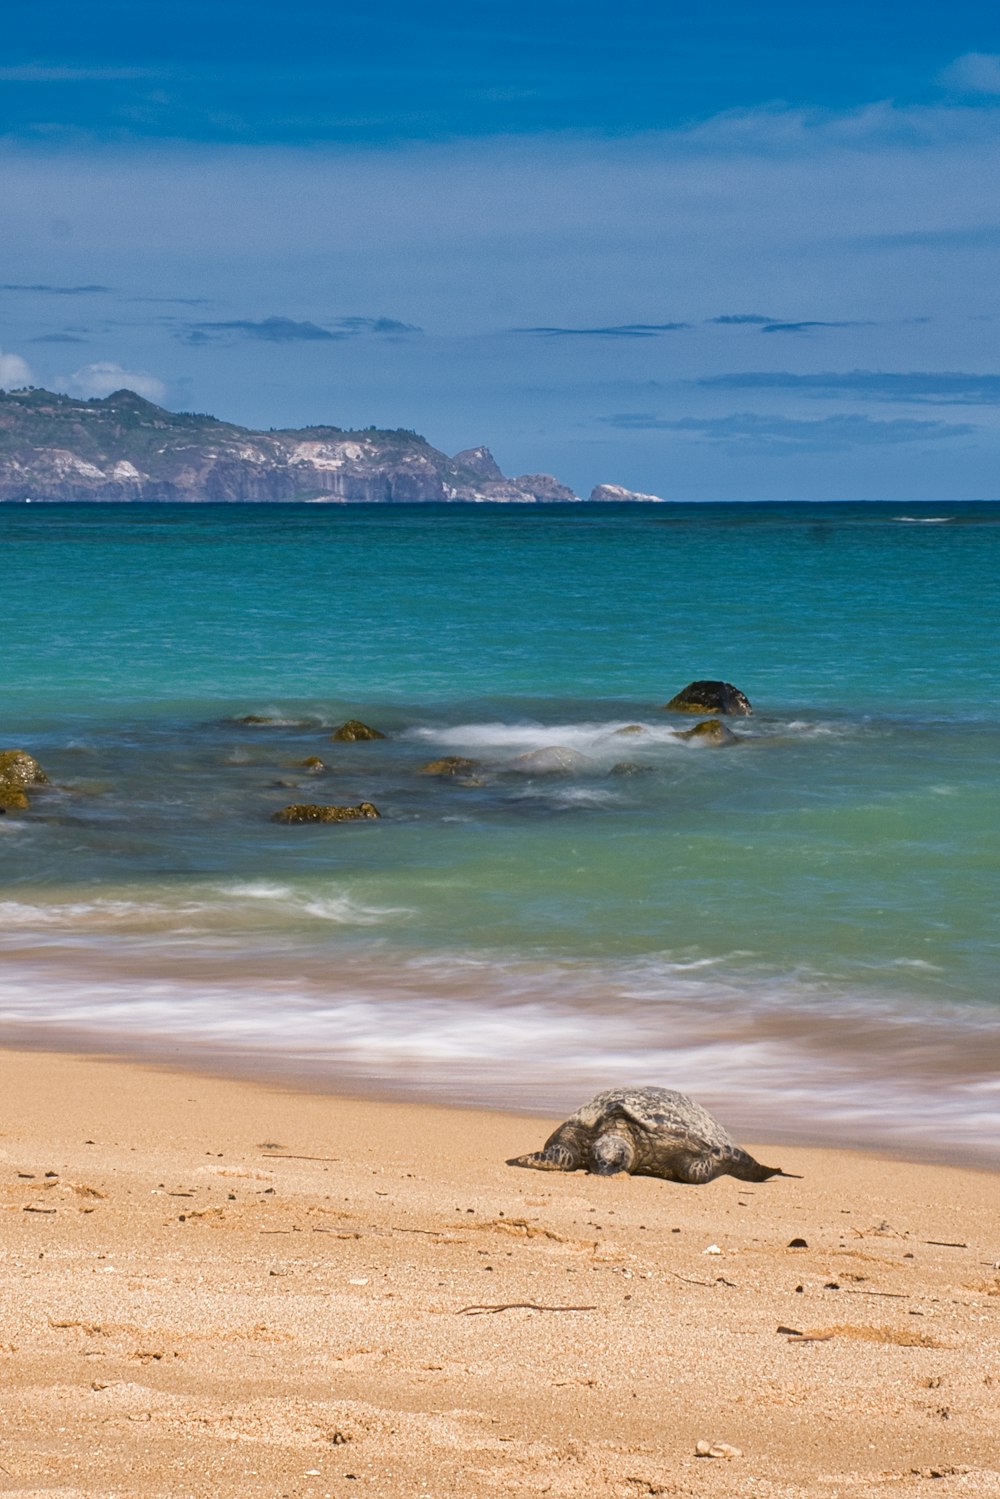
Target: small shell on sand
{"points": [[716, 1449]]}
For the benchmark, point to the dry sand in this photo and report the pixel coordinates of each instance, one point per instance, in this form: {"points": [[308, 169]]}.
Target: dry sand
{"points": [[220, 1288]]}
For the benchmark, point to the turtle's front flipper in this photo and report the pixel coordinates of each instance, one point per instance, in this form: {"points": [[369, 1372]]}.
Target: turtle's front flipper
{"points": [[552, 1158]]}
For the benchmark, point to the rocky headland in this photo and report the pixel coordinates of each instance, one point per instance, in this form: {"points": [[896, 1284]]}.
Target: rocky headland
{"points": [[122, 447]]}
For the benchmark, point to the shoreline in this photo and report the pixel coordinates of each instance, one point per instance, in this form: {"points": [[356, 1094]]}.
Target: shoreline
{"points": [[535, 1039], [295, 1076], [221, 1287]]}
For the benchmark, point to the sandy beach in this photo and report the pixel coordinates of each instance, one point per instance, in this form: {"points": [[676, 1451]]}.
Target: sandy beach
{"points": [[218, 1287]]}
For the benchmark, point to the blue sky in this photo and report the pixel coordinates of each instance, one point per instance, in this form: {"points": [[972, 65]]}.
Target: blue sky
{"points": [[715, 252]]}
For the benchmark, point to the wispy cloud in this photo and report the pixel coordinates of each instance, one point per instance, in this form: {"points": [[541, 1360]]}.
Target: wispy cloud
{"points": [[960, 237], [105, 377], [43, 73], [619, 330], [746, 431], [52, 291], [14, 371], [290, 330], [737, 318], [973, 73], [924, 387], [809, 327], [58, 338]]}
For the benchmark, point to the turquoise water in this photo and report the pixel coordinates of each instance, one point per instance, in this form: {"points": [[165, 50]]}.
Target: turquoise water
{"points": [[800, 928]]}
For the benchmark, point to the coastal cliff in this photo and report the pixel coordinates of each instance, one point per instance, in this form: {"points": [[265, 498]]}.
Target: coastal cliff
{"points": [[122, 447]]}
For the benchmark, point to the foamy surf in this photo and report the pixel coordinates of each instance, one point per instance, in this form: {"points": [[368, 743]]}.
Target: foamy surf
{"points": [[786, 1059]]}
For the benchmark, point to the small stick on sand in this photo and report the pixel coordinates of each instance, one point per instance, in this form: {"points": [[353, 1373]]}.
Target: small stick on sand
{"points": [[270, 1155], [510, 1306]]}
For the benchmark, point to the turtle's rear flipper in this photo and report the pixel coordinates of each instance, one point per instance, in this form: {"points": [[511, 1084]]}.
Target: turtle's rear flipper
{"points": [[746, 1169]]}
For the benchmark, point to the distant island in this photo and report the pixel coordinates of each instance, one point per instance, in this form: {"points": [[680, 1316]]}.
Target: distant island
{"points": [[122, 447]]}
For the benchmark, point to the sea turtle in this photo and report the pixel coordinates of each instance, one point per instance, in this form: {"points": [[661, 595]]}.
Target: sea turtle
{"points": [[646, 1132]]}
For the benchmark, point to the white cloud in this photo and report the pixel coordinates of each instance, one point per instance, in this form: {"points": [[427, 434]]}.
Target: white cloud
{"points": [[14, 371], [974, 73], [103, 378]]}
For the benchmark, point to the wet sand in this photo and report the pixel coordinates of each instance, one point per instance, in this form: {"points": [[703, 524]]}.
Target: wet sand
{"points": [[217, 1287]]}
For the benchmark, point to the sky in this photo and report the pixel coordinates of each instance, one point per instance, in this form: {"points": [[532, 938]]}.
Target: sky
{"points": [[712, 251]]}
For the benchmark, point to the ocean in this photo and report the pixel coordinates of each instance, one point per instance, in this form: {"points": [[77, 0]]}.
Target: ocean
{"points": [[800, 929]]}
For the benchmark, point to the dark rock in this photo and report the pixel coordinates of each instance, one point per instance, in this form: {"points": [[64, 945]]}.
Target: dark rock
{"points": [[354, 730], [258, 721], [450, 765], [629, 768], [632, 728], [711, 731], [313, 764], [13, 798], [316, 812], [710, 697]]}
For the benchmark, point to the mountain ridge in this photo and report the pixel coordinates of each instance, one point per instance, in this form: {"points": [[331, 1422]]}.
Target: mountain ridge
{"points": [[123, 447]]}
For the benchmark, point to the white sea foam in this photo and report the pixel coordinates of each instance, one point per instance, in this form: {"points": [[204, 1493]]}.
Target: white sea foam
{"points": [[214, 909], [783, 1057], [603, 743]]}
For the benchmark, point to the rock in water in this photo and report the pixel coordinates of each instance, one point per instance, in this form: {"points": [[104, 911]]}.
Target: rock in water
{"points": [[553, 759], [646, 1132], [710, 697], [317, 812], [353, 730], [18, 770], [710, 731], [450, 765]]}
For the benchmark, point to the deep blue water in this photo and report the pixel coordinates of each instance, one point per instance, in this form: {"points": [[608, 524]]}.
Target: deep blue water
{"points": [[809, 914]]}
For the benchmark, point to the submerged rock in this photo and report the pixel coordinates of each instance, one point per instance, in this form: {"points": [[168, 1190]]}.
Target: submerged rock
{"points": [[629, 768], [710, 697], [554, 759], [313, 764], [632, 728], [354, 730], [450, 765], [13, 798], [316, 812], [710, 731]]}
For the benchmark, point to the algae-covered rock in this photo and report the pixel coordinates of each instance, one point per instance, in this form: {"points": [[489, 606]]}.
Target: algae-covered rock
{"points": [[711, 731], [450, 765], [710, 697], [316, 812], [629, 768], [631, 728], [354, 730], [313, 764], [18, 768]]}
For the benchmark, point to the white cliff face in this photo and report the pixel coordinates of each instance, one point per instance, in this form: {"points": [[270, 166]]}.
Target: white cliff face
{"points": [[327, 456], [607, 493]]}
